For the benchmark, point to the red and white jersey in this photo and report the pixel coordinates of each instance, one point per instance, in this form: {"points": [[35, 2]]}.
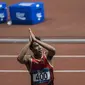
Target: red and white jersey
{"points": [[41, 72]]}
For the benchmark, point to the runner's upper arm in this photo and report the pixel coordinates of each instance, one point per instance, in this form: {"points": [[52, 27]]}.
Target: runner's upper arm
{"points": [[50, 55], [25, 59]]}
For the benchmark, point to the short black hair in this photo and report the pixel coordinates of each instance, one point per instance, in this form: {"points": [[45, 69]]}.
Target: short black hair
{"points": [[31, 45], [38, 38]]}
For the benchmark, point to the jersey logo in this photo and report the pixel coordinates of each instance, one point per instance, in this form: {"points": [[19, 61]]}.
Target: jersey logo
{"points": [[41, 76]]}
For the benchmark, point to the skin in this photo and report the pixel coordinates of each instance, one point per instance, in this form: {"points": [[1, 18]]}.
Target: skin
{"points": [[37, 50], [37, 47]]}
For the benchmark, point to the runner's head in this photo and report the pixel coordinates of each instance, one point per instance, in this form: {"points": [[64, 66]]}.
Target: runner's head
{"points": [[36, 48]]}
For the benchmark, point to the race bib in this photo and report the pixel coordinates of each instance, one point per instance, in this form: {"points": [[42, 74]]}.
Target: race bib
{"points": [[41, 76]]}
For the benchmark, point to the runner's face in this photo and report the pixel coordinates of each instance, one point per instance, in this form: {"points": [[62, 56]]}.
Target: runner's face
{"points": [[37, 49]]}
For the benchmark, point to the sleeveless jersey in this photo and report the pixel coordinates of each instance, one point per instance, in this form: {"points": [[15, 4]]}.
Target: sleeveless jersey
{"points": [[41, 72]]}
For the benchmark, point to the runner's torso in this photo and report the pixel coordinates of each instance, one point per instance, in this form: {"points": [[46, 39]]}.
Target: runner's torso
{"points": [[41, 72]]}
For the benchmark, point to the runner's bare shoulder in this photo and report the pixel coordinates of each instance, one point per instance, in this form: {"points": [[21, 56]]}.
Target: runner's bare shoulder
{"points": [[27, 58]]}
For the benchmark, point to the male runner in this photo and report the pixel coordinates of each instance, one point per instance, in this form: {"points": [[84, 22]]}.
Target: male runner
{"points": [[39, 62]]}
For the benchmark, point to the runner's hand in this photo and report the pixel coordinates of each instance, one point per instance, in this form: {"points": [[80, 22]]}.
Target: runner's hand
{"points": [[32, 35], [30, 39]]}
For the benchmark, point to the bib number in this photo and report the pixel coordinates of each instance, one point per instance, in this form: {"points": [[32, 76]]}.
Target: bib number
{"points": [[41, 77]]}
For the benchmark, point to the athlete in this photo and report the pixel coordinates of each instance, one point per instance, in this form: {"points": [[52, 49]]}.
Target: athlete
{"points": [[38, 60]]}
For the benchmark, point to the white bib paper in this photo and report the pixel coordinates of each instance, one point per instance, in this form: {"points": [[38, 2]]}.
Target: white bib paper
{"points": [[41, 76]]}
